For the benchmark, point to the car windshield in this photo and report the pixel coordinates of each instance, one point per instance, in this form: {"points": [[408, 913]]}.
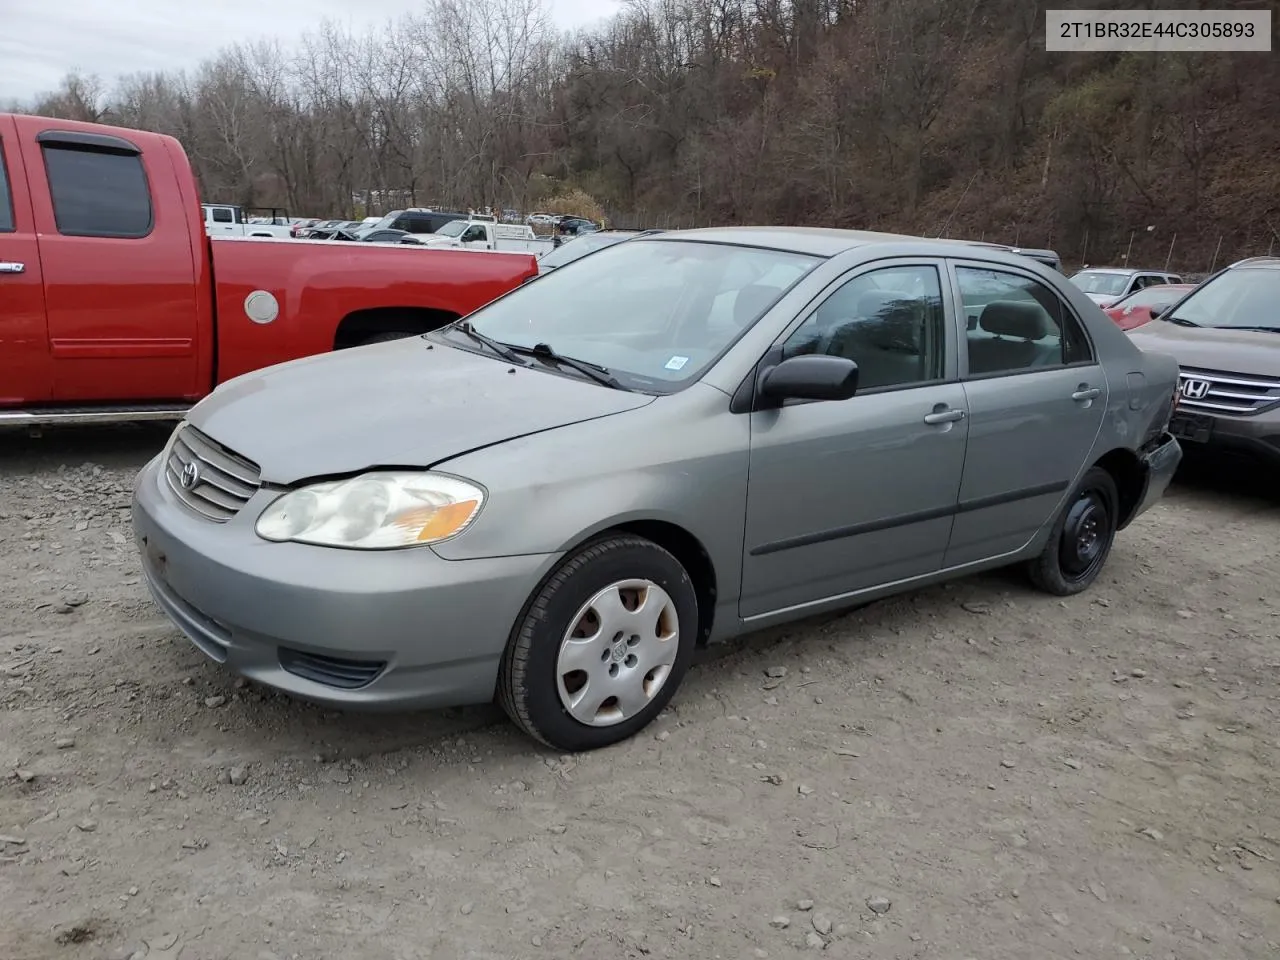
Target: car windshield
{"points": [[1151, 297], [1106, 284], [571, 251], [1243, 298], [454, 228], [654, 313]]}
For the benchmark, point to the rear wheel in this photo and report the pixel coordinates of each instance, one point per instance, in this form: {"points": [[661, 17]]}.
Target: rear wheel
{"points": [[602, 647], [1081, 539]]}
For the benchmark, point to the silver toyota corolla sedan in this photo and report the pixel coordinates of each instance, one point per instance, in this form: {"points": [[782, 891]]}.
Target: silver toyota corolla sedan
{"points": [[674, 440]]}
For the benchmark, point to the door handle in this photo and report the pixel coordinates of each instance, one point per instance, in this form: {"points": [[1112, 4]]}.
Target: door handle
{"points": [[943, 416], [8, 266], [1086, 393]]}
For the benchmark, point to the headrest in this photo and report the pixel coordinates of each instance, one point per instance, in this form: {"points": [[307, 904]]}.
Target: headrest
{"points": [[752, 301], [1015, 318]]}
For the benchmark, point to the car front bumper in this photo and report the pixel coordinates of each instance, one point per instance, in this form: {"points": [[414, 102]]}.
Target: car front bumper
{"points": [[397, 629], [1257, 437]]}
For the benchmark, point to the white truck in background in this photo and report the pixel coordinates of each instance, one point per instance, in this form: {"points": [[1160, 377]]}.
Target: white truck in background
{"points": [[228, 220], [487, 235]]}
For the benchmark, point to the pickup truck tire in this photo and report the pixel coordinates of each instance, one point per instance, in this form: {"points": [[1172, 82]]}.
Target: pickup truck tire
{"points": [[385, 337], [619, 615], [1081, 539]]}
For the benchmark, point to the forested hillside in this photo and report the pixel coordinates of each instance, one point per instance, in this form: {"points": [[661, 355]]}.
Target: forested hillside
{"points": [[934, 116]]}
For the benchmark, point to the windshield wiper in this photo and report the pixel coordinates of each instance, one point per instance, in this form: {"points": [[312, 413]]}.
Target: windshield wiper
{"points": [[497, 346], [1256, 329], [1180, 322], [599, 374]]}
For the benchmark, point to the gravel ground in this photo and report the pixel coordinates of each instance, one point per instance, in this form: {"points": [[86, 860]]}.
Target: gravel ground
{"points": [[971, 771]]}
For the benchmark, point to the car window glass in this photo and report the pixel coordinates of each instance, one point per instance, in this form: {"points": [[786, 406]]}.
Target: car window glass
{"points": [[1015, 324], [1242, 297], [474, 234], [644, 309], [1104, 284], [98, 194], [6, 200], [889, 322], [222, 215]]}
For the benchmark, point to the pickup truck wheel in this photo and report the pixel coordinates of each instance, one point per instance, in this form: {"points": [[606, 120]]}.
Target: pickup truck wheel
{"points": [[385, 337], [602, 646], [1081, 539]]}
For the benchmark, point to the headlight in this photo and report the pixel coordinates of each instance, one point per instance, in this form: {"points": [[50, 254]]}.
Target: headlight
{"points": [[374, 511]]}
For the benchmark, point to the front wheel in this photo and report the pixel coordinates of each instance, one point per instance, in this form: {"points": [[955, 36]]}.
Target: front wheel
{"points": [[1081, 539], [602, 647]]}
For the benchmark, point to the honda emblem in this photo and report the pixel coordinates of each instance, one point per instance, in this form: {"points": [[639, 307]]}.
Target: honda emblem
{"points": [[1194, 389]]}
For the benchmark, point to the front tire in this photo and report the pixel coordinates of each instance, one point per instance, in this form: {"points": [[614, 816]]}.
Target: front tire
{"points": [[1081, 539], [602, 647]]}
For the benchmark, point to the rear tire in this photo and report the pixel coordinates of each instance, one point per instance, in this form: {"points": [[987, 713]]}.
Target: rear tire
{"points": [[1081, 540], [602, 646]]}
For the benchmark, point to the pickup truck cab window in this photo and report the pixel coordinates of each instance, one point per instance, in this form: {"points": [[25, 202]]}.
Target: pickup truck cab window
{"points": [[6, 200], [222, 215], [1016, 324], [98, 193], [890, 322]]}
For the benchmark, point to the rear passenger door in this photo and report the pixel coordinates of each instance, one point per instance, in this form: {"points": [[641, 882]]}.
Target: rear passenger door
{"points": [[24, 343], [1036, 397]]}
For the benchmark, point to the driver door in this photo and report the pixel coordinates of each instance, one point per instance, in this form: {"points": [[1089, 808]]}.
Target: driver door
{"points": [[853, 494]]}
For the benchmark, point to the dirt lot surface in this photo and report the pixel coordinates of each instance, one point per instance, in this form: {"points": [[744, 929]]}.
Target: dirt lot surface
{"points": [[974, 771]]}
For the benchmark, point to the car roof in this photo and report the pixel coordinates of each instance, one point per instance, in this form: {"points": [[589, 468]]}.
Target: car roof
{"points": [[1126, 271], [826, 241], [1257, 263]]}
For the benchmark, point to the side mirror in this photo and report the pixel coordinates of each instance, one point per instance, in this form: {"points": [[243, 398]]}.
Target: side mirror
{"points": [[1159, 314], [811, 377]]}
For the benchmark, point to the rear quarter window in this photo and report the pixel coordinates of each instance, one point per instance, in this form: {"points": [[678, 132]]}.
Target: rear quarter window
{"points": [[97, 193]]}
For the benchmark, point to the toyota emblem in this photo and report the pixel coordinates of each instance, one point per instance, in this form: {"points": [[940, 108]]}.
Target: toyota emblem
{"points": [[190, 475], [1194, 389]]}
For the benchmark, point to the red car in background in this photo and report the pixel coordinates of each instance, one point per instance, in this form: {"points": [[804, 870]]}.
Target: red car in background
{"points": [[1141, 306]]}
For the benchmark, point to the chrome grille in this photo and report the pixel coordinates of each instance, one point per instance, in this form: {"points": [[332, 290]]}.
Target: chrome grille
{"points": [[207, 477], [1219, 392]]}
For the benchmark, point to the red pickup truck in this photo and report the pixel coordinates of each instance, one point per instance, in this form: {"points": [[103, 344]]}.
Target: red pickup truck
{"points": [[116, 305]]}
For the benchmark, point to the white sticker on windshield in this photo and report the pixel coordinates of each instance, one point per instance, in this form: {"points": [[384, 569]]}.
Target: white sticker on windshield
{"points": [[677, 363]]}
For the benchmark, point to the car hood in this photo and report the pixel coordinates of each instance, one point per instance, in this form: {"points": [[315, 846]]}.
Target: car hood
{"points": [[404, 403], [1101, 299], [1208, 348]]}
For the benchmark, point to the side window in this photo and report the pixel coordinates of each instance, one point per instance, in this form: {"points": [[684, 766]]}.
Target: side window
{"points": [[889, 322], [222, 215], [98, 194], [6, 200], [1016, 324], [474, 234]]}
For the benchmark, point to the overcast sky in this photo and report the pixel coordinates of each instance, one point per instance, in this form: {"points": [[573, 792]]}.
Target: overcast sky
{"points": [[41, 40]]}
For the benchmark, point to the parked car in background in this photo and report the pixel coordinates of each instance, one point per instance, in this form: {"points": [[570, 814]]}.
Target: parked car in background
{"points": [[115, 304], [319, 230], [228, 220], [541, 219], [1105, 285], [1141, 306], [297, 228], [417, 220], [684, 437], [1225, 334], [573, 226], [588, 243], [487, 235]]}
